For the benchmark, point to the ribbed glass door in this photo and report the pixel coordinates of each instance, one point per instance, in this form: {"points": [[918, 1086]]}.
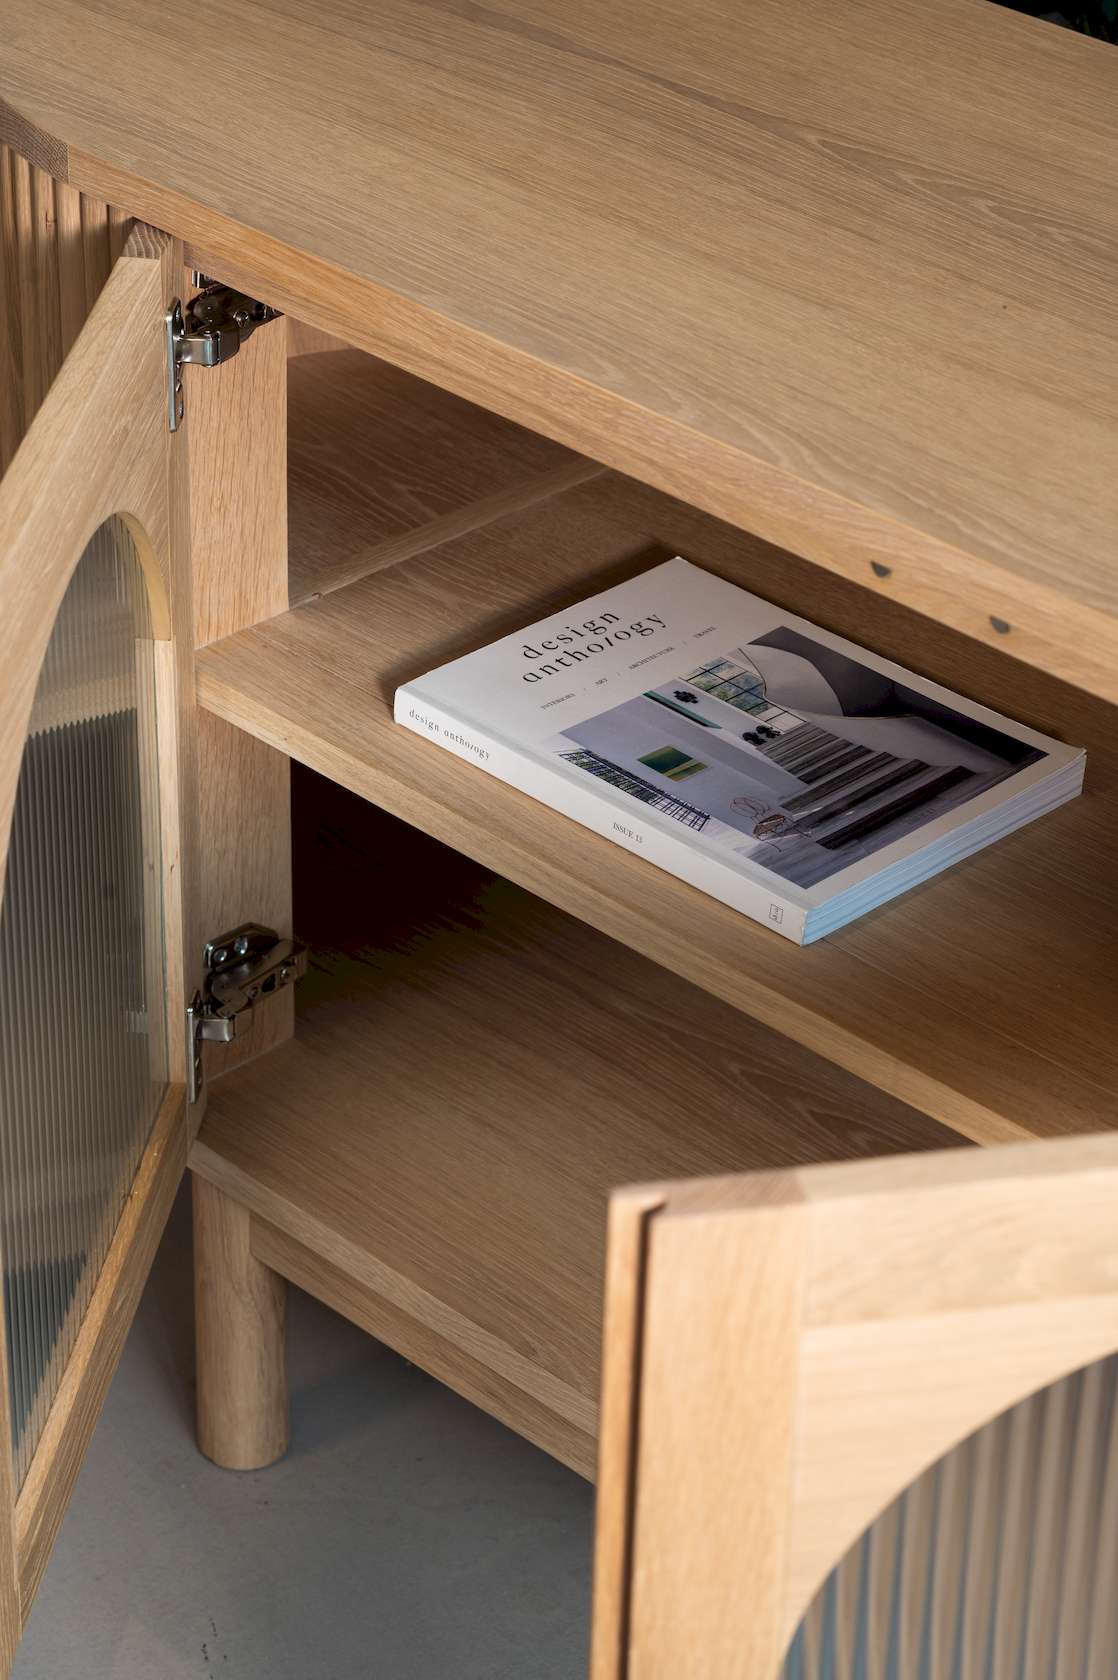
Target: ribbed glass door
{"points": [[999, 1563], [83, 1055]]}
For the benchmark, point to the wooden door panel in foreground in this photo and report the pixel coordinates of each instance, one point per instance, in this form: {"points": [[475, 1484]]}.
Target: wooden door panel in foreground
{"points": [[796, 1368]]}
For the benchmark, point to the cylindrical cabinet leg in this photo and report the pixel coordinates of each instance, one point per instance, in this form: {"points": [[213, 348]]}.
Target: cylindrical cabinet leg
{"points": [[240, 1311]]}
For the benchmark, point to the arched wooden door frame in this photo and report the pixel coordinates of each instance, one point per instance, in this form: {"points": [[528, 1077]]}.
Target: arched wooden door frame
{"points": [[99, 448], [785, 1353]]}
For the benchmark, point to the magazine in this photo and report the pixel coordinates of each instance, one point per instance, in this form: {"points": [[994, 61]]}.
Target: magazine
{"points": [[785, 771]]}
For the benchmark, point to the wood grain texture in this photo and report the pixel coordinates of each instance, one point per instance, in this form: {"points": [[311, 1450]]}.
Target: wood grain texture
{"points": [[895, 1362], [966, 1031], [39, 148], [305, 340], [244, 866], [236, 438], [45, 1493], [240, 1318], [376, 455], [716, 1453], [841, 276], [474, 516], [441, 1356], [45, 293], [238, 486], [72, 307], [490, 1069]]}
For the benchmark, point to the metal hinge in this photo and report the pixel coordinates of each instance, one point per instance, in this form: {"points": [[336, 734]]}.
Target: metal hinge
{"points": [[241, 967], [209, 331]]}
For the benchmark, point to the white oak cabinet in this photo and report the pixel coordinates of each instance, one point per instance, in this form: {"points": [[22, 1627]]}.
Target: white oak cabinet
{"points": [[845, 1370]]}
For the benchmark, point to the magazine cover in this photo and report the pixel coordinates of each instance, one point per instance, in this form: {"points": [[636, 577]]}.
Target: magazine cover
{"points": [[803, 764]]}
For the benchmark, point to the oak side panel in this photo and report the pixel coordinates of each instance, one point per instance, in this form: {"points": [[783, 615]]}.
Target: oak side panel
{"points": [[236, 424]]}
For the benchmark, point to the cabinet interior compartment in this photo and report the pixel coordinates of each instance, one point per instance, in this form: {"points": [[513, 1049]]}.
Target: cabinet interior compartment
{"points": [[985, 997], [508, 1016], [473, 1071]]}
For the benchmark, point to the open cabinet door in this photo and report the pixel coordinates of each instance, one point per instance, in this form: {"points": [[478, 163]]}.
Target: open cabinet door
{"points": [[96, 753], [860, 1423]]}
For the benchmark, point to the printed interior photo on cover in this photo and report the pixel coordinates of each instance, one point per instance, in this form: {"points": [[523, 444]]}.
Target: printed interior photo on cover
{"points": [[793, 755]]}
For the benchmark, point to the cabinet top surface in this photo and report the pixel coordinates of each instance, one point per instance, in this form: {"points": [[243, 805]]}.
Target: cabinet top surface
{"points": [[842, 273]]}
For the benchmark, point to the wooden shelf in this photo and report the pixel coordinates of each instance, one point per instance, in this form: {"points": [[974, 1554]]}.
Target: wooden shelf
{"points": [[473, 1072], [986, 998]]}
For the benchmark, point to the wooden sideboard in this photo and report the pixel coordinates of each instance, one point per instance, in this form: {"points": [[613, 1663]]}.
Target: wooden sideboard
{"points": [[820, 297]]}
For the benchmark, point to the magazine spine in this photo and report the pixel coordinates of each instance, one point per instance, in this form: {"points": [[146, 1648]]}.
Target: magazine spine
{"points": [[532, 775]]}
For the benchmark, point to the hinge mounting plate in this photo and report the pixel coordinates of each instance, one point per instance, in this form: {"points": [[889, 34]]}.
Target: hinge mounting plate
{"points": [[241, 967], [209, 331]]}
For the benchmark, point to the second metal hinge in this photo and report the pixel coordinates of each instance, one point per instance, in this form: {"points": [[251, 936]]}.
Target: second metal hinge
{"points": [[209, 331], [241, 968]]}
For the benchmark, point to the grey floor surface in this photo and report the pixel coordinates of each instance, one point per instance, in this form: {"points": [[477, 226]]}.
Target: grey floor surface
{"points": [[406, 1536]]}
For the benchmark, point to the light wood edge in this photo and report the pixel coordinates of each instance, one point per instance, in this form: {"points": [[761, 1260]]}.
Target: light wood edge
{"points": [[234, 438], [441, 1358], [401, 1293], [236, 424], [626, 1246], [954, 587], [947, 1286], [541, 487], [179, 724], [42, 1501], [717, 1428], [39, 148]]}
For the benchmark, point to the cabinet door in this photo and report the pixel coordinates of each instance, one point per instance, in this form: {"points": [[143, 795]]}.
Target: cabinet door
{"points": [[95, 901], [860, 1423]]}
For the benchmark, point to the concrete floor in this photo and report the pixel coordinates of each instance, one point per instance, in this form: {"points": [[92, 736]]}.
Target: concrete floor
{"points": [[406, 1536]]}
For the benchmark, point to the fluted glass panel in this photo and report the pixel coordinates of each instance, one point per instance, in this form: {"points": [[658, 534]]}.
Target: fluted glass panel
{"points": [[999, 1563], [83, 1056]]}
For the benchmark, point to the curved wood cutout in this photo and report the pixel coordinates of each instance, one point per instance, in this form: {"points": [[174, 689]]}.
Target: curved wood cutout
{"points": [[812, 1341], [83, 459]]}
